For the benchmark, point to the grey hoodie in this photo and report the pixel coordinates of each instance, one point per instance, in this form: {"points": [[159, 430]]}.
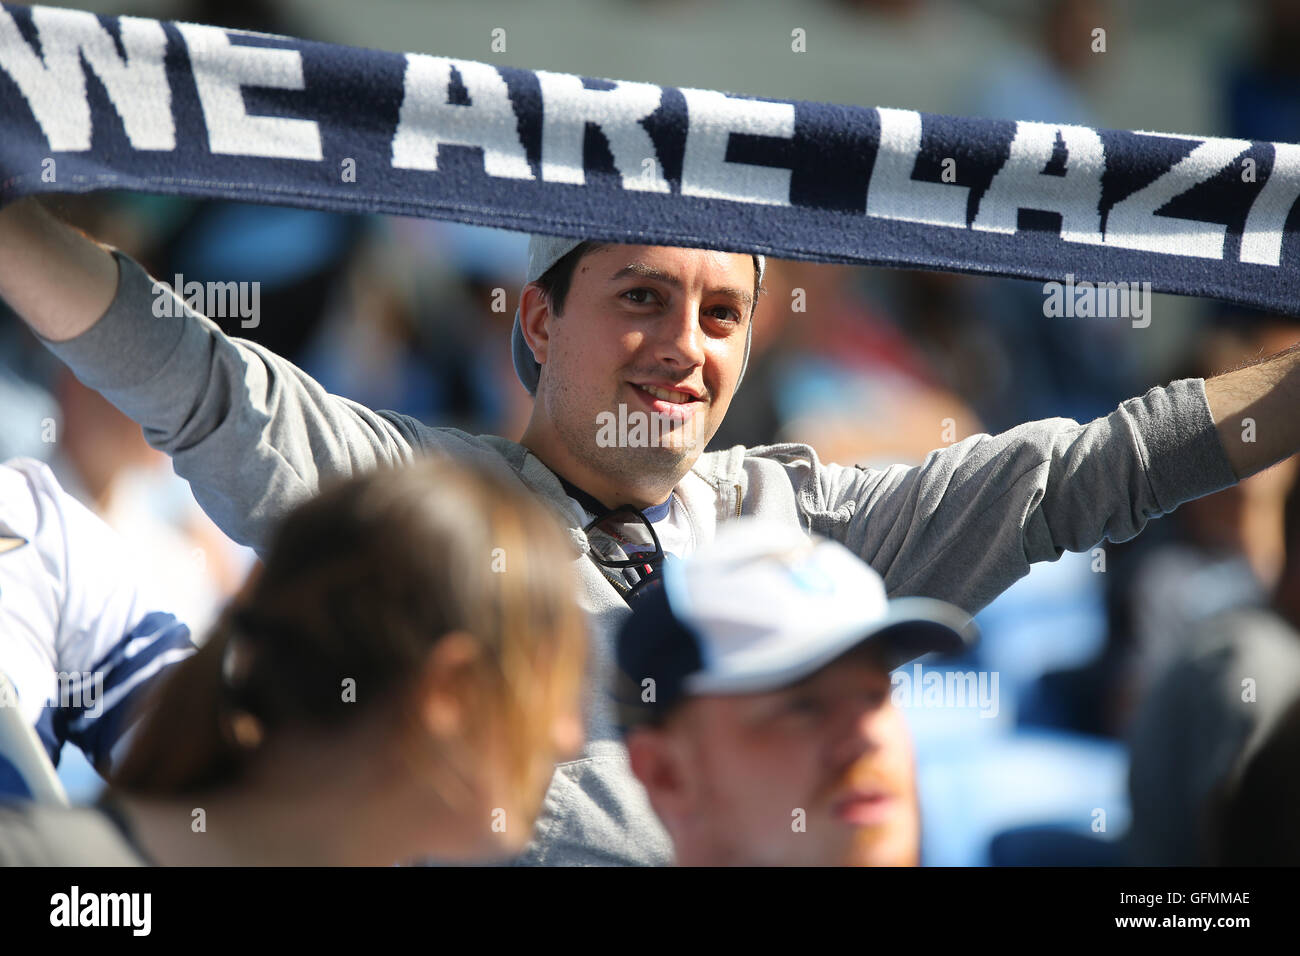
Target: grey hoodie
{"points": [[254, 436]]}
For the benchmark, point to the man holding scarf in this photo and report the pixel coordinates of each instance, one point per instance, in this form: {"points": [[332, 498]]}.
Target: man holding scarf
{"points": [[663, 331]]}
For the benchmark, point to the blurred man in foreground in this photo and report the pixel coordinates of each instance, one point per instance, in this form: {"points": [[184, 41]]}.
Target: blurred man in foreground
{"points": [[755, 700]]}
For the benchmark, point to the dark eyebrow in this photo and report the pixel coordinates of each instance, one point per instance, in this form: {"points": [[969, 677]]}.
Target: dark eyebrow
{"points": [[744, 296]]}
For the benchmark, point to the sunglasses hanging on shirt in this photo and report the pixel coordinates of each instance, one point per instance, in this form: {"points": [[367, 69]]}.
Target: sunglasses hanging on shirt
{"points": [[622, 543]]}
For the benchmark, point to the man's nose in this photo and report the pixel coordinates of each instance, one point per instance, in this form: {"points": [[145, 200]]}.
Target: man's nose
{"points": [[862, 728], [681, 341]]}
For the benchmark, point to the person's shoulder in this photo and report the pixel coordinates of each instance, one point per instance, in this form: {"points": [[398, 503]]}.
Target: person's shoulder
{"points": [[27, 470], [738, 457], [763, 468], [443, 439], [35, 834], [25, 478], [1252, 633], [30, 497]]}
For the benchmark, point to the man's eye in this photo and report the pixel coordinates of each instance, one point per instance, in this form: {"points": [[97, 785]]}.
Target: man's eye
{"points": [[727, 315], [872, 700], [637, 292], [804, 706]]}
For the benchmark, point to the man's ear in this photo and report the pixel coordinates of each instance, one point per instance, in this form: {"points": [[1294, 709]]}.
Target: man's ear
{"points": [[657, 758], [534, 311], [447, 684]]}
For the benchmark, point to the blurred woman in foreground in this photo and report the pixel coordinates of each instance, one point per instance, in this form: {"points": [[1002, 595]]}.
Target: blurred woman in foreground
{"points": [[396, 684]]}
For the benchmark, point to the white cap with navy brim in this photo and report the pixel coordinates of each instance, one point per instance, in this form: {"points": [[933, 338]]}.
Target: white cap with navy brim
{"points": [[764, 605]]}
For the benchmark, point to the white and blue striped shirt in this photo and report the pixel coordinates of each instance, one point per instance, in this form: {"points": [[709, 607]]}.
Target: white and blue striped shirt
{"points": [[81, 638]]}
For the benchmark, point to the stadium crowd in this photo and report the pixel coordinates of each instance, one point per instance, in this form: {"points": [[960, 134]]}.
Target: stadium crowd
{"points": [[417, 621]]}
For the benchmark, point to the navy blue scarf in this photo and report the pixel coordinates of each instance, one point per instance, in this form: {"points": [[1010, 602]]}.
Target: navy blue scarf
{"points": [[89, 103]]}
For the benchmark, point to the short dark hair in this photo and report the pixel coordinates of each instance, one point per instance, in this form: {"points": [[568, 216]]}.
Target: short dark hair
{"points": [[556, 280]]}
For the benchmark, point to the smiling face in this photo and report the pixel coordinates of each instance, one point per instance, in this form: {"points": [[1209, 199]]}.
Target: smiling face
{"points": [[820, 773], [640, 368]]}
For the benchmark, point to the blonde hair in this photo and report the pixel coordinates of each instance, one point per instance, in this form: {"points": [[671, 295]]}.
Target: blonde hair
{"points": [[361, 582]]}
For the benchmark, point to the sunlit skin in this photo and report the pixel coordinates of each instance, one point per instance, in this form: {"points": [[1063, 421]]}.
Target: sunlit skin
{"points": [[485, 817], [727, 774], [637, 315]]}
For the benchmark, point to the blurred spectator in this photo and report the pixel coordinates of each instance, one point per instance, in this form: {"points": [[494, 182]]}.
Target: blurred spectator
{"points": [[1079, 368], [831, 369], [1259, 823], [1220, 692], [1046, 80], [1261, 92], [422, 326], [1228, 548], [424, 700], [29, 409], [263, 16], [83, 632], [1212, 554], [294, 255], [102, 459], [886, 8]]}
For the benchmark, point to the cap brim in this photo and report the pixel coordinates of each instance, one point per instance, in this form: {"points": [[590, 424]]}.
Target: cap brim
{"points": [[912, 628]]}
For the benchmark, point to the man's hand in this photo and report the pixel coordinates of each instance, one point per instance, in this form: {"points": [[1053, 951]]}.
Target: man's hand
{"points": [[57, 279], [1257, 411]]}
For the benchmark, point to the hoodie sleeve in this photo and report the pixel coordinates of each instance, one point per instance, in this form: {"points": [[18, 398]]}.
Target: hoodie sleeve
{"points": [[251, 432], [970, 520]]}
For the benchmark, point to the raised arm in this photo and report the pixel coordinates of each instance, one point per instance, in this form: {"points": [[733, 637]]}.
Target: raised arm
{"points": [[970, 520], [57, 278], [251, 432], [1256, 409]]}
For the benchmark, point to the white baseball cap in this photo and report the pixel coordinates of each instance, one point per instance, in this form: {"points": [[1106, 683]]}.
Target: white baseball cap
{"points": [[761, 607]]}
